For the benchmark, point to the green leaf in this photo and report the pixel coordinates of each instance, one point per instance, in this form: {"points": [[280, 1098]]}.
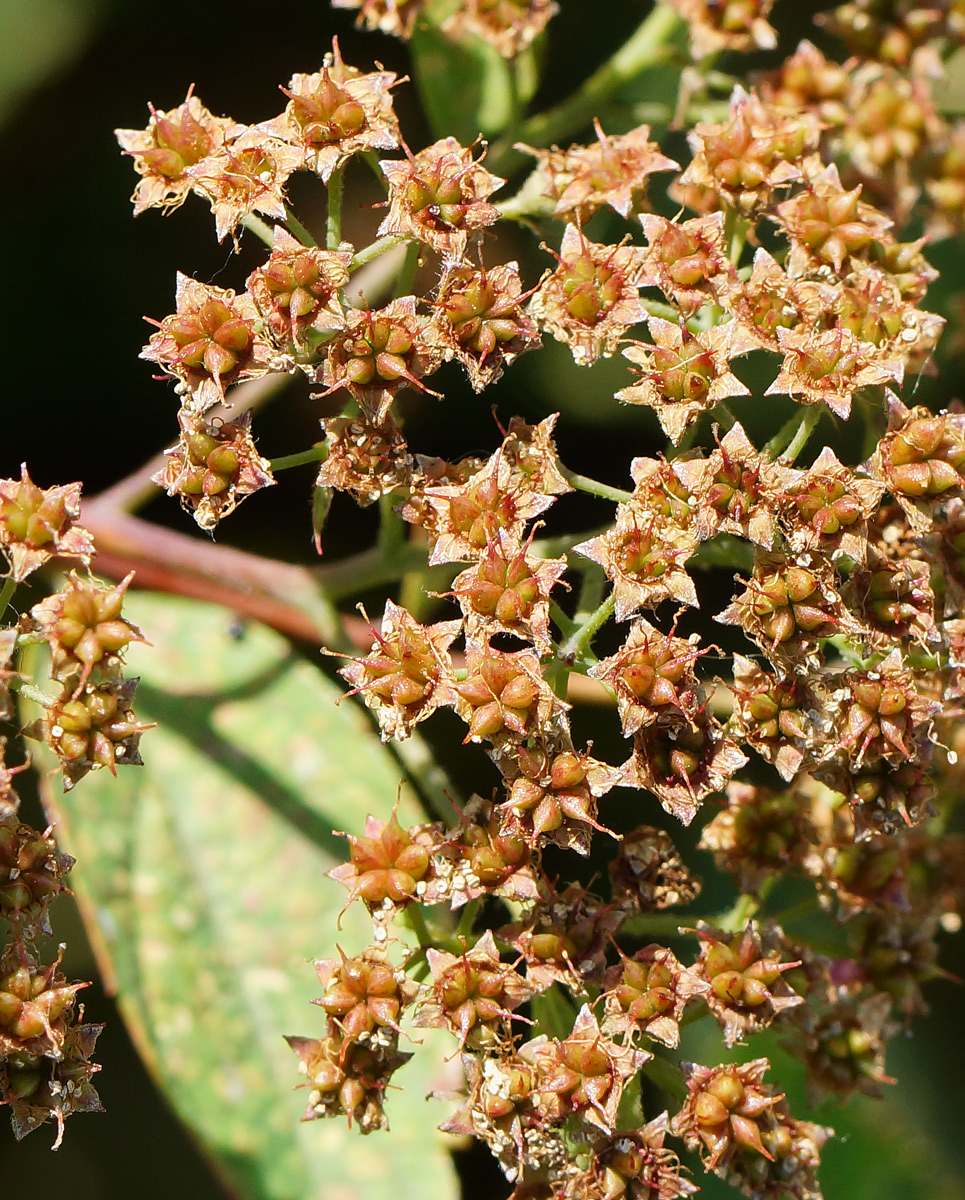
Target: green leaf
{"points": [[201, 878], [471, 69]]}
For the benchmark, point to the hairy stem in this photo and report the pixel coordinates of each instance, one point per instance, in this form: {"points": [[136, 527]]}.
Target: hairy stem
{"points": [[298, 230], [794, 434], [587, 627], [261, 229]]}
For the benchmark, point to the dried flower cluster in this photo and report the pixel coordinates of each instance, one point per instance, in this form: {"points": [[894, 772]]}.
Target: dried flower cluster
{"points": [[45, 1066], [813, 751]]}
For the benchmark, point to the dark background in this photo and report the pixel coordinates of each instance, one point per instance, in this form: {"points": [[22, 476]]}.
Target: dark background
{"points": [[78, 273]]}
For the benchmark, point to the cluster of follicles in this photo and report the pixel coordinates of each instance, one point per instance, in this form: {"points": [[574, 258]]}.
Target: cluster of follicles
{"points": [[796, 706], [86, 723]]}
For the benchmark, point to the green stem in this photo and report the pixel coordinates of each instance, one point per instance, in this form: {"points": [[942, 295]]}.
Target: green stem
{"points": [[746, 907], [802, 435], [584, 484], [658, 925], [261, 229], [333, 228], [467, 919], [406, 275], [724, 415], [559, 618], [311, 455], [646, 47], [384, 244], [298, 230], [794, 434], [735, 235], [655, 308], [6, 593], [587, 628], [413, 917]]}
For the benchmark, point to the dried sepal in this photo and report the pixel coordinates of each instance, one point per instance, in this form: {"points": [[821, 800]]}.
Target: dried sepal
{"points": [[389, 866], [495, 501], [881, 714], [687, 260], [488, 854], [213, 467], [632, 1163], [844, 1046], [210, 342], [563, 938], [653, 675], [400, 677], [507, 591], [787, 607], [592, 298], [37, 524], [744, 973], [829, 367], [610, 171], [683, 762], [644, 557], [296, 291], [395, 17], [648, 875], [683, 374], [583, 1074], [736, 25], [779, 715], [473, 995], [363, 994], [172, 143], [369, 459], [828, 225], [35, 1007], [481, 320], [32, 873], [84, 627], [348, 1078], [531, 452], [439, 196], [828, 506], [503, 697], [377, 354], [336, 113], [8, 648], [44, 1089], [919, 460], [509, 26], [736, 489], [770, 300], [553, 790], [647, 994], [92, 727], [757, 150], [246, 173], [727, 1108], [761, 834], [895, 602]]}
